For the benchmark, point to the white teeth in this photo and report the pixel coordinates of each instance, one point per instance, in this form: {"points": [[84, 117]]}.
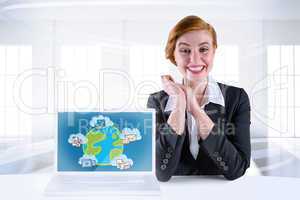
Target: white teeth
{"points": [[198, 69]]}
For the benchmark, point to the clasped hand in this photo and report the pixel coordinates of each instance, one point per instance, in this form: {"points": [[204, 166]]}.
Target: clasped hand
{"points": [[186, 99]]}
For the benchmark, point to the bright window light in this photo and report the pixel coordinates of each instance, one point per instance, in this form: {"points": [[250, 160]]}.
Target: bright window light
{"points": [[13, 61], [283, 96]]}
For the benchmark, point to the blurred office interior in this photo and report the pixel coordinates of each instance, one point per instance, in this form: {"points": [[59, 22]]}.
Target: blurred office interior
{"points": [[108, 54]]}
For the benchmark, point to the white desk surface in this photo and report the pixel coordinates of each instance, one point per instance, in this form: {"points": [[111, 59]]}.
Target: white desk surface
{"points": [[31, 187]]}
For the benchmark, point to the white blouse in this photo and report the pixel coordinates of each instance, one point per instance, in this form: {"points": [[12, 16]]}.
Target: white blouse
{"points": [[212, 94]]}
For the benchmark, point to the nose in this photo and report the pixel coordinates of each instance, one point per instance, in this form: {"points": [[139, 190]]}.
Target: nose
{"points": [[196, 58]]}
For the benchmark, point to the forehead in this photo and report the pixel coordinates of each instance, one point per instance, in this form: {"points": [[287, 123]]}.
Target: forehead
{"points": [[195, 37]]}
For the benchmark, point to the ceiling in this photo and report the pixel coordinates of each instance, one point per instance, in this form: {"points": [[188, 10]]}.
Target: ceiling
{"points": [[148, 9]]}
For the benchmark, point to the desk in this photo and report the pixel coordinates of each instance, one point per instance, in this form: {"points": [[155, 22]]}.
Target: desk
{"points": [[31, 187]]}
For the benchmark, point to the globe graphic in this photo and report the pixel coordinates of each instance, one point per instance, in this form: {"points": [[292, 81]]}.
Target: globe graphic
{"points": [[103, 143]]}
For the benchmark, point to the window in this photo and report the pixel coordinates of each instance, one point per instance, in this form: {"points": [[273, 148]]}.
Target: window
{"points": [[81, 87], [226, 65], [146, 64], [14, 122], [283, 96], [78, 80]]}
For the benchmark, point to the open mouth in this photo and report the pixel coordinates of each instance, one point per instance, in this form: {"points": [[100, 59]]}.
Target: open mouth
{"points": [[196, 70]]}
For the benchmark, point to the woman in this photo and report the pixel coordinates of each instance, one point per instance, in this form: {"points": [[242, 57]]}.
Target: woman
{"points": [[203, 127]]}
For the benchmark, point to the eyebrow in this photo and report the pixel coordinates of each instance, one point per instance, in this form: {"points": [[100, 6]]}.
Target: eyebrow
{"points": [[184, 43]]}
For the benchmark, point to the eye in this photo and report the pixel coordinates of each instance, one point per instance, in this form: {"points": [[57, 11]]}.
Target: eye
{"points": [[203, 50], [185, 51]]}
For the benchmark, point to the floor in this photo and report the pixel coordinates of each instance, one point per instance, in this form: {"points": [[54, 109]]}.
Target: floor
{"points": [[277, 157], [271, 157]]}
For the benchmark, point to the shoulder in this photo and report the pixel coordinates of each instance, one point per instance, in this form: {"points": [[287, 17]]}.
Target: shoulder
{"points": [[232, 94], [158, 99], [159, 96]]}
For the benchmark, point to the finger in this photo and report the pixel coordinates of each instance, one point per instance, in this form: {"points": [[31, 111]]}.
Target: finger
{"points": [[170, 88], [167, 77], [182, 87], [166, 81]]}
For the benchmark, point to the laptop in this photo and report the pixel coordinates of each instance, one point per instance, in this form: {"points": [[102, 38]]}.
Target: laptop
{"points": [[105, 153]]}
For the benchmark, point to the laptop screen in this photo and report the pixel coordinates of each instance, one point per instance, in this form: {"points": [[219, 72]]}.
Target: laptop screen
{"points": [[104, 141]]}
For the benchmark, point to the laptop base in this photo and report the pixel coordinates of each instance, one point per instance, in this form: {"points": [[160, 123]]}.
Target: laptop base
{"points": [[103, 185]]}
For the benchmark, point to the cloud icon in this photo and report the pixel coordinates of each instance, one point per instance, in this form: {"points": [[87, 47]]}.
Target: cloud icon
{"points": [[77, 139], [100, 121], [87, 161], [122, 162], [130, 135]]}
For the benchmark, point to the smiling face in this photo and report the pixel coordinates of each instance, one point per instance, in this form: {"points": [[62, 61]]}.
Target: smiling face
{"points": [[194, 53]]}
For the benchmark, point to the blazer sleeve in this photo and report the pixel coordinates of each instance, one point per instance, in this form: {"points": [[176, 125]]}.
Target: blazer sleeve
{"points": [[230, 147], [168, 143]]}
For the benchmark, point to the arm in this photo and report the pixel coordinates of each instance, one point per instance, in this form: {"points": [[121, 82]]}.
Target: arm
{"points": [[230, 149], [168, 143]]}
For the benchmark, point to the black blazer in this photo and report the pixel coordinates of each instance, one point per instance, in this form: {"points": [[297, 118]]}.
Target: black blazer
{"points": [[226, 151]]}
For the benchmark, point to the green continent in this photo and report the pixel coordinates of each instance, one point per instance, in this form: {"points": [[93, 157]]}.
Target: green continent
{"points": [[93, 138], [117, 143], [114, 153]]}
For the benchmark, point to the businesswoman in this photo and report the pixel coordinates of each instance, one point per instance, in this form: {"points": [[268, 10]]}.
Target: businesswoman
{"points": [[202, 127]]}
